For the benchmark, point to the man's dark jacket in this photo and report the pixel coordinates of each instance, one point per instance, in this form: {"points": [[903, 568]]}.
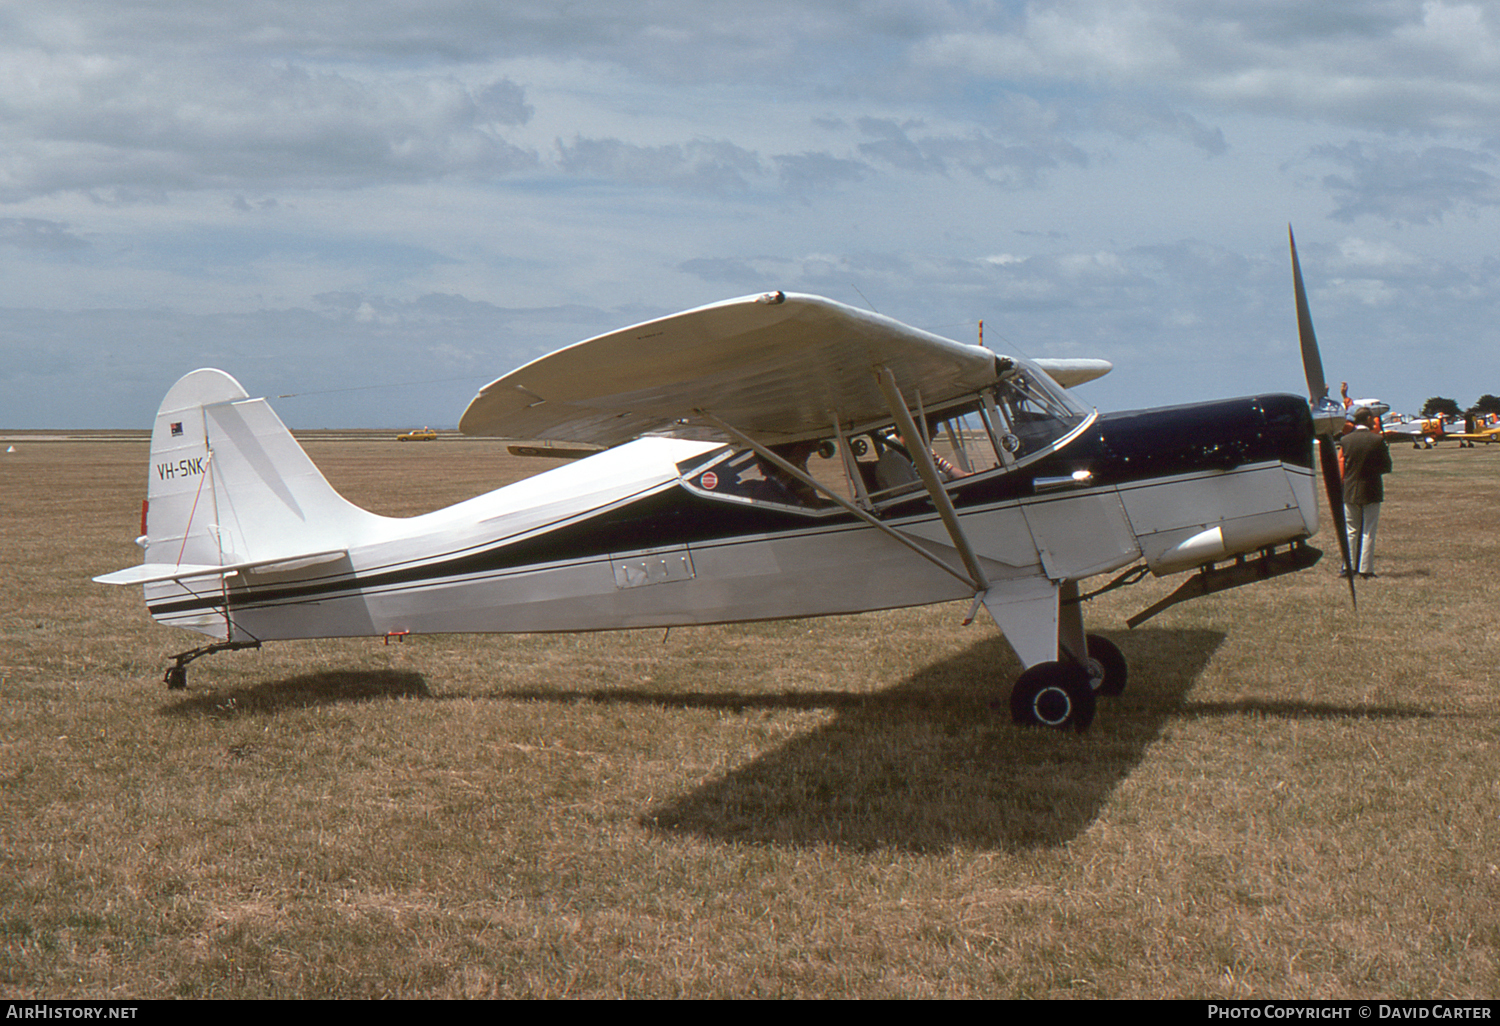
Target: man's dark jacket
{"points": [[1366, 459]]}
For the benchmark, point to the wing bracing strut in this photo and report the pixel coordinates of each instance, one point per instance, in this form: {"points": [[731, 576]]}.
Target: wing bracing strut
{"points": [[927, 471]]}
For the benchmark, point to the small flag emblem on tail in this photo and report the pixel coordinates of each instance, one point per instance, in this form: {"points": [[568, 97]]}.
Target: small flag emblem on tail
{"points": [[176, 429]]}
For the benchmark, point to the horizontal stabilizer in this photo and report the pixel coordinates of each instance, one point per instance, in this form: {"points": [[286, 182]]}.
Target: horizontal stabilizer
{"points": [[154, 573]]}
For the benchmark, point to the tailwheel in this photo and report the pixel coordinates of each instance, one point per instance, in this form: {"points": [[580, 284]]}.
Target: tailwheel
{"points": [[1056, 695], [1106, 666], [176, 675]]}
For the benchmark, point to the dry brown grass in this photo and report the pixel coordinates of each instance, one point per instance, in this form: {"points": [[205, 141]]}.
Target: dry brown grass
{"points": [[1290, 801]]}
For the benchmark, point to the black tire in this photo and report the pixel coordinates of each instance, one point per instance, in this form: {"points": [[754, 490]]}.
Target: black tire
{"points": [[1106, 667], [1055, 695]]}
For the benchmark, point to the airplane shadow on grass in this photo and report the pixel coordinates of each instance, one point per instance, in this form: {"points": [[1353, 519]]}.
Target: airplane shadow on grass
{"points": [[933, 763], [330, 687], [926, 765], [930, 765]]}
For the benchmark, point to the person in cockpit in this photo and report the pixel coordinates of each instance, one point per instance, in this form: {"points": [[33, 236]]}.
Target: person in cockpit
{"points": [[895, 467]]}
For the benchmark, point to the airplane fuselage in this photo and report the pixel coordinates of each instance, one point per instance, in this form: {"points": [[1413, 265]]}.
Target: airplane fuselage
{"points": [[633, 538]]}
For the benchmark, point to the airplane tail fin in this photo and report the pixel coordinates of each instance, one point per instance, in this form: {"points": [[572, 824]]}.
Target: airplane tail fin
{"points": [[231, 490]]}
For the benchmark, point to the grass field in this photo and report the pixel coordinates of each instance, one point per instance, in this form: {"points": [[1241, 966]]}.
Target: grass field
{"points": [[1291, 800]]}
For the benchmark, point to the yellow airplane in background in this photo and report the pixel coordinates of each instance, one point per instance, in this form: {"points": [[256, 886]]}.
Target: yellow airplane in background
{"points": [[1424, 432]]}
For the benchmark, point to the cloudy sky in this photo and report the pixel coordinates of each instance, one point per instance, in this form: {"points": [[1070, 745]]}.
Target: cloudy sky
{"points": [[375, 206]]}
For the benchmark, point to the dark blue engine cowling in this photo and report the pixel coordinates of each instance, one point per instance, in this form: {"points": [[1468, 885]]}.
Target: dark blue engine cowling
{"points": [[1220, 435]]}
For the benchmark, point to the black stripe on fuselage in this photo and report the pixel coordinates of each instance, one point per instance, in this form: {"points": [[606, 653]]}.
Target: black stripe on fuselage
{"points": [[1117, 449]]}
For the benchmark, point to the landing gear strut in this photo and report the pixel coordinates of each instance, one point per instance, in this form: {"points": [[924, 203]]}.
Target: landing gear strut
{"points": [[176, 675]]}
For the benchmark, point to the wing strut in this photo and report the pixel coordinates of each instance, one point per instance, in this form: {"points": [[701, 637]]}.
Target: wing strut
{"points": [[922, 457], [851, 468], [865, 515]]}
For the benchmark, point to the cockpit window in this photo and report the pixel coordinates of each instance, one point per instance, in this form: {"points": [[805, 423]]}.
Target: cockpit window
{"points": [[1020, 416]]}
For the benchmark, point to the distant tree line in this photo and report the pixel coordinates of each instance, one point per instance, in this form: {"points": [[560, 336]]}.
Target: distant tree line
{"points": [[1439, 406]]}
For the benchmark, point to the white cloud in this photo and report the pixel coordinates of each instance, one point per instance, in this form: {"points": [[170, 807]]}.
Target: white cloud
{"points": [[708, 166], [1359, 252], [1408, 186], [1398, 64], [34, 234], [117, 126]]}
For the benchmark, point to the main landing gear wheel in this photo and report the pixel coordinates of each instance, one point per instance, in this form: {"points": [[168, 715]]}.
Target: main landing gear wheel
{"points": [[1056, 695], [1105, 666]]}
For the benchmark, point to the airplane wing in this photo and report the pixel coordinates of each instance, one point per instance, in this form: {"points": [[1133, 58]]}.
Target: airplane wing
{"points": [[777, 366], [1468, 436]]}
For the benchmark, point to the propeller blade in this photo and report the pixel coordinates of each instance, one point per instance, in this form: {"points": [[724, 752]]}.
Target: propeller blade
{"points": [[1312, 363], [1327, 414], [1333, 481]]}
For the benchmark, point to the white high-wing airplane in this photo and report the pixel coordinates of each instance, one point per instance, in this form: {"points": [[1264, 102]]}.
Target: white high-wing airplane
{"points": [[699, 508], [1377, 407]]}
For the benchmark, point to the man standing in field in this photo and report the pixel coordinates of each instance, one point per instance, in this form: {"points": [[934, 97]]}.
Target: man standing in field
{"points": [[1366, 460]]}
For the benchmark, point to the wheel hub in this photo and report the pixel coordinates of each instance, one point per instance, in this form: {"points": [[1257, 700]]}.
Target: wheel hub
{"points": [[1052, 706]]}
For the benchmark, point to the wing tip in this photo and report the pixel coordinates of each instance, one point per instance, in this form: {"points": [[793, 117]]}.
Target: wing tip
{"points": [[1069, 372]]}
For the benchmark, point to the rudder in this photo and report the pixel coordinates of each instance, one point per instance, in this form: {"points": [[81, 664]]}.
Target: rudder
{"points": [[229, 484]]}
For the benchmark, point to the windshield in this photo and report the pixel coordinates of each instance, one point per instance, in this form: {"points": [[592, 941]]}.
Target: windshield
{"points": [[1034, 412]]}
